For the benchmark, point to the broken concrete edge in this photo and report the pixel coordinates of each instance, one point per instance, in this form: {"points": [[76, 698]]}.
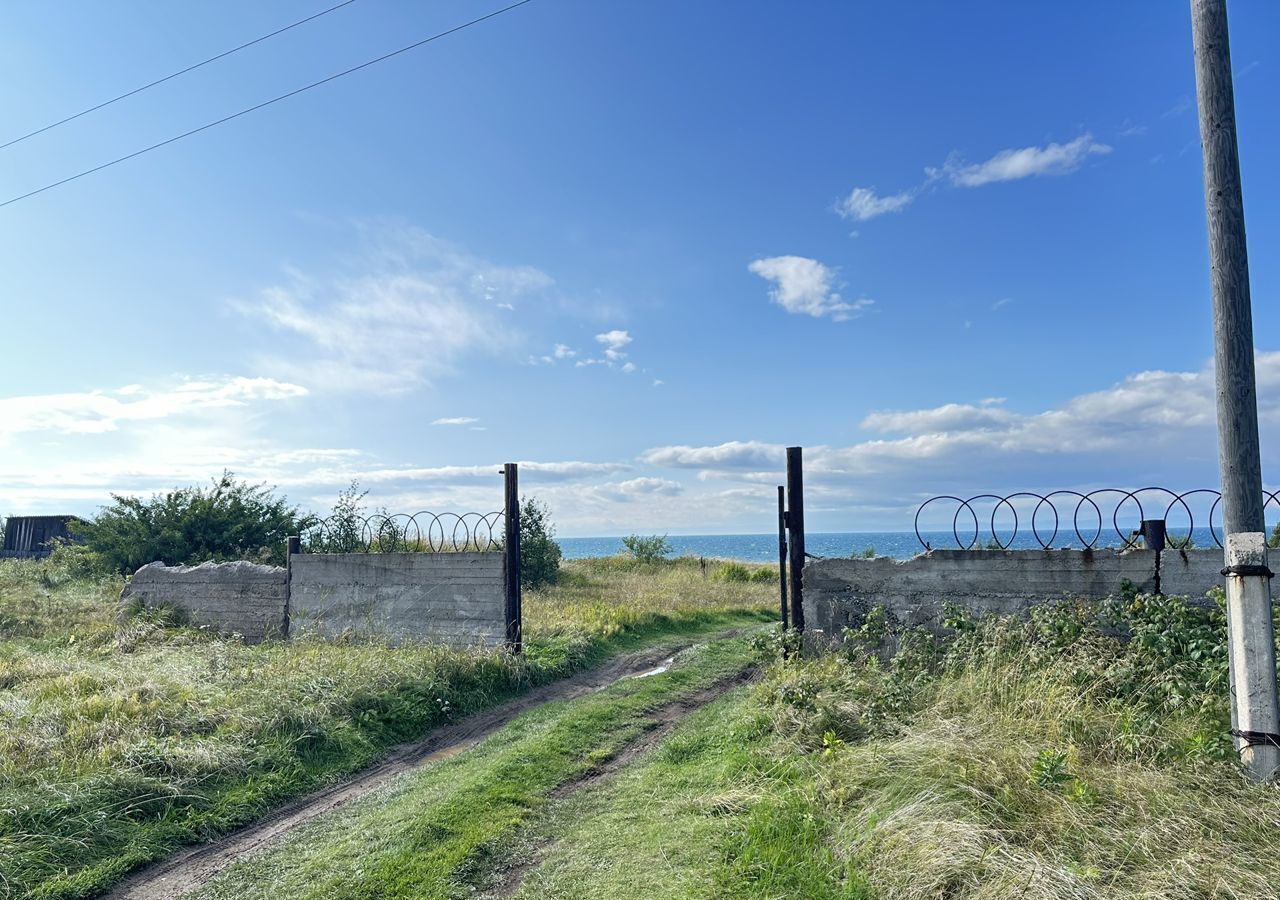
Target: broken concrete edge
{"points": [[454, 599], [839, 593], [239, 598]]}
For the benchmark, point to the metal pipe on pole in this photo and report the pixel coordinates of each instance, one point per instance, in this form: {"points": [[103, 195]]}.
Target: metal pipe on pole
{"points": [[1250, 631]]}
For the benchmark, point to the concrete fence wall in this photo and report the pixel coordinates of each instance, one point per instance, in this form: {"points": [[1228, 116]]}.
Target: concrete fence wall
{"points": [[237, 597], [456, 599], [839, 592], [448, 598]]}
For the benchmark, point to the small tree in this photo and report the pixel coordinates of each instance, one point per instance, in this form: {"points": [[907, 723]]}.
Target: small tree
{"points": [[539, 553], [229, 520], [648, 549]]}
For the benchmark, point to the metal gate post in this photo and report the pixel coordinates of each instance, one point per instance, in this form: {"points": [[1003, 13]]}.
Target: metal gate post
{"points": [[293, 546], [782, 552], [795, 530], [511, 550]]}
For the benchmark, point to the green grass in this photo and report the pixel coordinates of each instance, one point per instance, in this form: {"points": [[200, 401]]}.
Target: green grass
{"points": [[437, 832], [711, 813], [1044, 759], [119, 745]]}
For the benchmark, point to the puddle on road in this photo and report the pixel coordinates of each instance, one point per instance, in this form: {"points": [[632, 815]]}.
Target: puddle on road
{"points": [[447, 752], [656, 670]]}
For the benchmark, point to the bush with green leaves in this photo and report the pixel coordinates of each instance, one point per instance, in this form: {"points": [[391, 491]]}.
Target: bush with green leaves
{"points": [[651, 548], [539, 552], [228, 520]]}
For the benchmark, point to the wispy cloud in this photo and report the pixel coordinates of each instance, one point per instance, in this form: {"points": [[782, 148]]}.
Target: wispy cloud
{"points": [[805, 286], [456, 420], [94, 412], [863, 204], [1154, 427], [1002, 302], [1183, 105], [419, 305], [1023, 162]]}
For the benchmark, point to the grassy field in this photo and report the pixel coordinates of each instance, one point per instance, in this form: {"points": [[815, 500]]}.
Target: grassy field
{"points": [[1043, 759], [119, 744], [1078, 755], [451, 829]]}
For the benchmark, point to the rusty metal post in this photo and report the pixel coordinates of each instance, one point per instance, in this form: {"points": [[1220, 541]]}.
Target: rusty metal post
{"points": [[782, 552], [293, 546], [795, 532], [511, 552]]}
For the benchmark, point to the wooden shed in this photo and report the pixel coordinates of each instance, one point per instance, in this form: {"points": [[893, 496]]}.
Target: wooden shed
{"points": [[33, 536]]}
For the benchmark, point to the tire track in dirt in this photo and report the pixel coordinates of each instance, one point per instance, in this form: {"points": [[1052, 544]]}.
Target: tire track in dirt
{"points": [[659, 724], [196, 866]]}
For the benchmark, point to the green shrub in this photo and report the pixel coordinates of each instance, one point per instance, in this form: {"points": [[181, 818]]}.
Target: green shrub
{"points": [[732, 571], [764, 574], [648, 549], [539, 553], [229, 520]]}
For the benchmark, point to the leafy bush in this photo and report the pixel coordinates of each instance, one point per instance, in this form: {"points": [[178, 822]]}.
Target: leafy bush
{"points": [[539, 553], [648, 549], [732, 571], [764, 574], [229, 520]]}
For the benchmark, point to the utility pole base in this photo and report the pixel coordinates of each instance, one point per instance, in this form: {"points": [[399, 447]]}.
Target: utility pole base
{"points": [[1252, 654]]}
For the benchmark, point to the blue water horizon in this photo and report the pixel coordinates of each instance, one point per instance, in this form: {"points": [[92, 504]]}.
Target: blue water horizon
{"points": [[762, 548]]}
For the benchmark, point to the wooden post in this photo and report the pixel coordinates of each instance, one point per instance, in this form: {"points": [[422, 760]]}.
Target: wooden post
{"points": [[1250, 631], [511, 551], [795, 533], [782, 552]]}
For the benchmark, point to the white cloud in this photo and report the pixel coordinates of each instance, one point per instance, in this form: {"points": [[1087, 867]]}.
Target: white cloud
{"points": [[563, 351], [1154, 427], [615, 357], [102, 411], [641, 487], [613, 342], [946, 418], [729, 455], [1025, 162], [863, 204], [1003, 301], [456, 420], [805, 287], [419, 305], [541, 471]]}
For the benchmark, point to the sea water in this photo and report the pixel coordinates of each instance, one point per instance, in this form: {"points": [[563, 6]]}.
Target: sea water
{"points": [[899, 544]]}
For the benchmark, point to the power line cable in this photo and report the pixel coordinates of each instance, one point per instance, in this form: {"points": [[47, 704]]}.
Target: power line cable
{"points": [[170, 77], [265, 103]]}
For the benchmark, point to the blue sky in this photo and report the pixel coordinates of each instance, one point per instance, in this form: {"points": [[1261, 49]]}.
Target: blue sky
{"points": [[638, 247]]}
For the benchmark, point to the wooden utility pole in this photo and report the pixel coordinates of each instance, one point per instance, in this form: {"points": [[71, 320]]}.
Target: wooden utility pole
{"points": [[1251, 644]]}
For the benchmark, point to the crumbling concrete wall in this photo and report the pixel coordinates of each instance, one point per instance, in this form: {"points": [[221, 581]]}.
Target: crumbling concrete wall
{"points": [[839, 592], [235, 597], [449, 598]]}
